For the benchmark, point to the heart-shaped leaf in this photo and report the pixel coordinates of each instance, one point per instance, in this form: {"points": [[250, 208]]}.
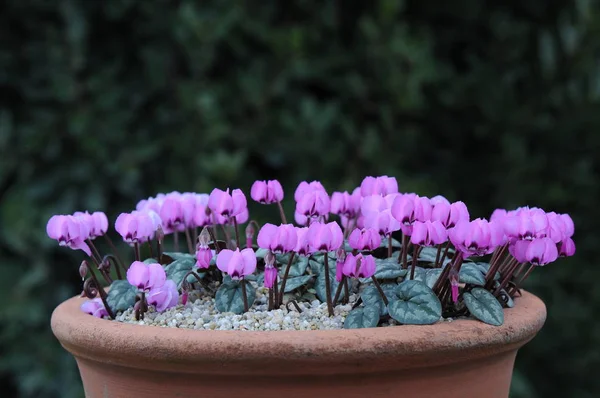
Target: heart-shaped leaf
{"points": [[150, 261], [362, 317], [371, 297], [229, 297], [295, 282], [387, 268], [420, 274], [320, 284], [179, 268], [121, 296], [484, 306], [416, 304], [298, 267], [432, 276], [179, 256], [471, 273]]}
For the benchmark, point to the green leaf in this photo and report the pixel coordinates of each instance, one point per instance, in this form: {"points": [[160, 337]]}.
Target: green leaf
{"points": [[428, 254], [178, 268], [420, 274], [471, 273], [432, 276], [150, 261], [261, 253], [395, 243], [484, 268], [298, 267], [121, 295], [416, 304], [320, 285], [387, 268], [180, 256], [295, 282], [484, 306], [371, 297], [362, 317], [229, 297]]}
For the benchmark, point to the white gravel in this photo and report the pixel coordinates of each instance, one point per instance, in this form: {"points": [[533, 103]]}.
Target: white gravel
{"points": [[200, 313]]}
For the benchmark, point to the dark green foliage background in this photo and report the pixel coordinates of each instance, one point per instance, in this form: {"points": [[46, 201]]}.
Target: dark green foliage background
{"points": [[104, 102]]}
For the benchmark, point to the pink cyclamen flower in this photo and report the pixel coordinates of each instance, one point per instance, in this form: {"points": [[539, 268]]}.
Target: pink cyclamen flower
{"points": [[346, 204], [518, 249], [449, 214], [266, 192], [203, 256], [541, 251], [278, 239], [237, 264], [566, 248], [382, 221], [172, 213], [438, 199], [69, 231], [146, 276], [359, 266], [325, 237], [303, 247], [270, 276], [201, 215], [94, 307], [364, 239], [478, 237], [313, 203], [164, 297], [382, 185], [569, 225], [96, 222], [226, 205], [428, 233], [498, 215], [305, 187], [454, 285], [526, 224], [137, 226], [409, 208]]}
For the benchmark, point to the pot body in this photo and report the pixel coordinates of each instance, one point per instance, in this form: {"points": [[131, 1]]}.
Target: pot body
{"points": [[458, 359]]}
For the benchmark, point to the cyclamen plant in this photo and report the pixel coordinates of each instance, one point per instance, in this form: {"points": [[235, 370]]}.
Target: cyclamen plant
{"points": [[444, 265]]}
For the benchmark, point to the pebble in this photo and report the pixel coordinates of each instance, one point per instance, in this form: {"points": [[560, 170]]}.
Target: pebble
{"points": [[201, 314]]}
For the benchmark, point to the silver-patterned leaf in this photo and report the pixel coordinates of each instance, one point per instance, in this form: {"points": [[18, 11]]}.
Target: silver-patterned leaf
{"points": [[295, 282], [484, 306], [121, 295], [387, 268], [229, 297], [485, 267], [471, 273], [432, 276], [362, 317], [179, 268], [320, 285], [371, 296], [416, 304]]}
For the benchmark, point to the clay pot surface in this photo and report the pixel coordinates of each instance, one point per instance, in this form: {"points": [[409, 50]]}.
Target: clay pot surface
{"points": [[459, 359]]}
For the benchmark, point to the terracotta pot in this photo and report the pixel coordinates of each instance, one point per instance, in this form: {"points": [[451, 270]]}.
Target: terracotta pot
{"points": [[461, 359]]}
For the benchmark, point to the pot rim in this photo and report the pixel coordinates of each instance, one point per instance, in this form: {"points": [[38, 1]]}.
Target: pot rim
{"points": [[246, 352]]}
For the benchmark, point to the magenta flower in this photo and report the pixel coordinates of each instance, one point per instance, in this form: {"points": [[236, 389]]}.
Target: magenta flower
{"points": [[227, 205], [266, 192], [438, 199], [541, 251], [164, 297], [203, 257], [526, 224], [409, 208], [69, 231], [569, 225], [270, 276], [567, 248], [146, 276], [94, 307], [137, 226], [305, 187], [478, 237], [364, 239], [383, 185], [383, 222], [303, 247], [237, 264], [96, 222], [313, 203], [326, 237], [449, 214], [172, 213], [339, 264], [498, 215], [359, 266], [518, 249], [428, 233], [201, 214], [278, 239], [346, 204]]}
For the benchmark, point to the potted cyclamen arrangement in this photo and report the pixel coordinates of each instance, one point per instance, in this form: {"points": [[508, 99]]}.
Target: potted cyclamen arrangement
{"points": [[439, 312]]}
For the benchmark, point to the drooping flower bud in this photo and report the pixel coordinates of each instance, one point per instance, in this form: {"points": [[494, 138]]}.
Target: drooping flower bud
{"points": [[250, 231], [83, 269], [270, 276], [203, 257], [204, 238], [270, 259], [339, 264]]}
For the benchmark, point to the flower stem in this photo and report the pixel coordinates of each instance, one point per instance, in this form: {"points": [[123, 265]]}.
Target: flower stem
{"points": [[522, 279], [188, 238], [445, 254], [276, 302], [437, 256], [158, 250], [494, 265], [101, 292], [237, 233], [94, 250], [150, 249], [514, 264], [246, 308], [327, 285], [176, 241], [270, 299], [114, 250], [402, 249], [285, 277], [136, 249], [338, 291], [214, 239], [390, 246], [281, 213], [414, 262], [109, 257], [346, 292], [227, 236], [381, 293]]}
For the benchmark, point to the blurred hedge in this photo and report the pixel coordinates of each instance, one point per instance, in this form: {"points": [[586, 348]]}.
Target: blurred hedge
{"points": [[102, 103]]}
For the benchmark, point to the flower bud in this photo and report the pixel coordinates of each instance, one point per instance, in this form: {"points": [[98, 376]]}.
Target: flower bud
{"points": [[160, 234], [269, 259], [83, 269], [204, 237]]}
